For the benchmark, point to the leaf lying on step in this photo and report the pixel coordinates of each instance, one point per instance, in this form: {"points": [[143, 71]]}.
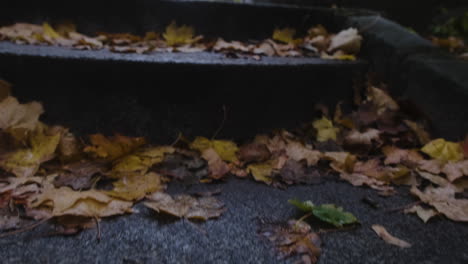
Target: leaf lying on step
{"points": [[111, 148], [325, 129], [443, 150], [444, 201], [455, 170], [329, 213], [296, 238], [286, 35], [186, 206], [64, 201], [226, 149], [348, 41], [423, 214], [42, 145], [135, 187], [179, 35], [383, 233], [79, 175], [15, 115]]}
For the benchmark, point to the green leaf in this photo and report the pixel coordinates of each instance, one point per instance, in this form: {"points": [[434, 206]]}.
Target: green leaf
{"points": [[334, 215], [306, 206]]}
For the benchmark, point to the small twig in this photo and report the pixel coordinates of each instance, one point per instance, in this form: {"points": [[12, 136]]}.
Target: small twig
{"points": [[301, 219], [98, 226], [222, 123], [401, 208], [24, 229], [179, 136]]}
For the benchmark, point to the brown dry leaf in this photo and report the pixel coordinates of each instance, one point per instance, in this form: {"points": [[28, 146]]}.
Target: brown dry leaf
{"points": [[443, 200], [69, 147], [296, 238], [65, 201], [14, 115], [264, 48], [25, 162], [381, 100], [284, 50], [185, 206], [222, 45], [135, 187], [254, 152], [362, 138], [422, 135], [372, 168], [22, 33], [79, 175], [424, 214], [435, 179], [217, 167], [455, 170], [357, 179], [348, 41], [139, 162], [383, 233], [396, 155], [112, 148], [341, 161], [294, 172], [432, 166], [297, 151]]}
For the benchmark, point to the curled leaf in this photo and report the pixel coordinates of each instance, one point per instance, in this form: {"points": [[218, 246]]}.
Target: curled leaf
{"points": [[443, 150]]}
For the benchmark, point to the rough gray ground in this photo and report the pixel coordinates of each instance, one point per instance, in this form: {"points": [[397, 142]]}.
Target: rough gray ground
{"points": [[145, 237]]}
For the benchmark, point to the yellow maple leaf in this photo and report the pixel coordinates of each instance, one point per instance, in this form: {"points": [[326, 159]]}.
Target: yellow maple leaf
{"points": [[114, 147], [175, 35], [443, 150], [286, 35], [139, 162], [50, 31], [261, 172], [25, 162], [135, 187], [226, 149], [325, 129]]}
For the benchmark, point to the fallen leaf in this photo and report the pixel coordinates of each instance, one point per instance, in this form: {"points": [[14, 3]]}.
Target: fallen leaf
{"points": [[226, 149], [261, 172], [15, 115], [365, 138], [329, 213], [25, 162], [432, 166], [381, 100], [443, 150], [348, 41], [286, 35], [139, 162], [455, 170], [217, 167], [176, 35], [435, 179], [79, 175], [383, 233], [64, 201], [341, 161], [325, 129], [185, 206], [358, 179], [372, 168], [294, 172], [296, 238], [396, 155], [297, 151], [222, 45], [424, 214], [112, 148], [443, 200], [135, 187], [254, 152]]}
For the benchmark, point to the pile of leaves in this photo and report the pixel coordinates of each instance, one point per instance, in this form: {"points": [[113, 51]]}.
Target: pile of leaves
{"points": [[47, 172], [318, 42]]}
